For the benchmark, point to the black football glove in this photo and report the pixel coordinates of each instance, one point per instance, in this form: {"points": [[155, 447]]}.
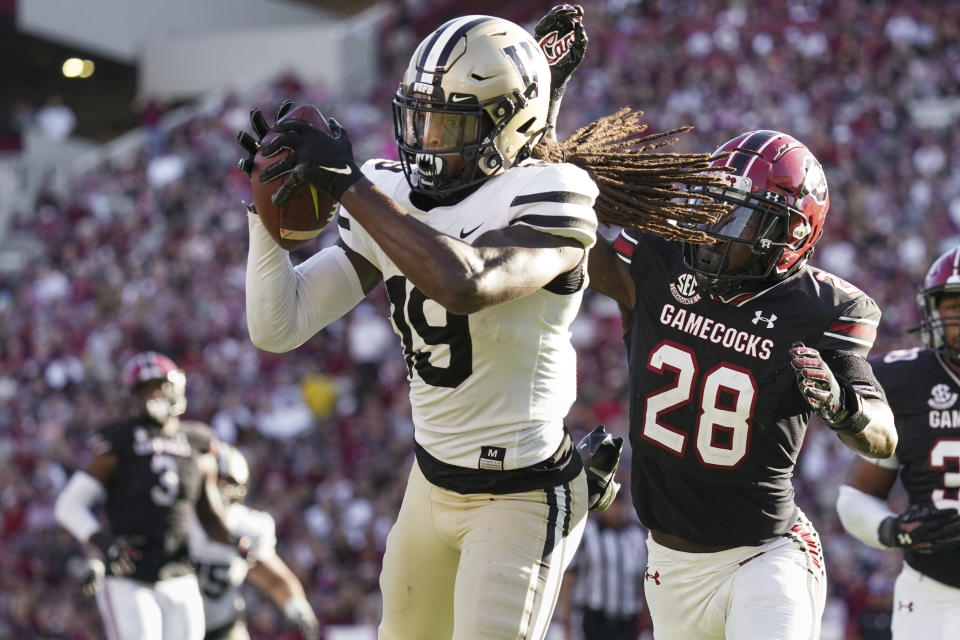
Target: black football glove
{"points": [[600, 453], [563, 40], [922, 528], [118, 554], [316, 158], [260, 127]]}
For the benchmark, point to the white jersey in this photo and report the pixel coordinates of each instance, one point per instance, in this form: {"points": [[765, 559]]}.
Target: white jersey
{"points": [[221, 570], [502, 379]]}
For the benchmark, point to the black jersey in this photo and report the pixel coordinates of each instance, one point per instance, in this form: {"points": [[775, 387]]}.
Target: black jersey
{"points": [[923, 391], [716, 419], [153, 491]]}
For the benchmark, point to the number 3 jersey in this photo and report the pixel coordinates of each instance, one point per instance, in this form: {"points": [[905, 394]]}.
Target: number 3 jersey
{"points": [[489, 390], [716, 418], [923, 392], [153, 490], [221, 570]]}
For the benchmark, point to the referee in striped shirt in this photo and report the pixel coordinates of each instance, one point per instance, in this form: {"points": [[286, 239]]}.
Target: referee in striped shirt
{"points": [[609, 570]]}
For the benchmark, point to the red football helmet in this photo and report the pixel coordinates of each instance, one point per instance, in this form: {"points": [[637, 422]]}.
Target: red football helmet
{"points": [[943, 276], [150, 366], [780, 200]]}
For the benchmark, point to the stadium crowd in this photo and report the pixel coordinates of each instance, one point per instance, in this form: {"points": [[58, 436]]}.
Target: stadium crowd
{"points": [[151, 254]]}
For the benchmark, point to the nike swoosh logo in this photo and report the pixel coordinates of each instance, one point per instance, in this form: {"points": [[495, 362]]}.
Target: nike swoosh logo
{"points": [[344, 170], [460, 98], [464, 234]]}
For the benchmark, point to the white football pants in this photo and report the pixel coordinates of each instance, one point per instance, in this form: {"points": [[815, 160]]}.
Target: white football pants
{"points": [[776, 591], [478, 566], [170, 609], [924, 608]]}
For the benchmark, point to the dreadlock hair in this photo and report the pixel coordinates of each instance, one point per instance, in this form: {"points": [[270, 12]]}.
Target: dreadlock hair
{"points": [[639, 189]]}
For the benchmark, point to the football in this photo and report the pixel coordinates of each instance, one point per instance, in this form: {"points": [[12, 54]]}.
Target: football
{"points": [[307, 212]]}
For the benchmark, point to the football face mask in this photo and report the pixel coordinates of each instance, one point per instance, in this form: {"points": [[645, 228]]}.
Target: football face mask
{"points": [[747, 241], [440, 145]]}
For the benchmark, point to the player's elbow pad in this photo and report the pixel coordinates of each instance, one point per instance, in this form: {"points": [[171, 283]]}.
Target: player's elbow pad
{"points": [[73, 509], [861, 514]]}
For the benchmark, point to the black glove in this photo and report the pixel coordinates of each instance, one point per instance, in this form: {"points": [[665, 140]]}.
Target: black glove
{"points": [[563, 41], [600, 453], [118, 554], [922, 528], [298, 613], [316, 158], [260, 127]]}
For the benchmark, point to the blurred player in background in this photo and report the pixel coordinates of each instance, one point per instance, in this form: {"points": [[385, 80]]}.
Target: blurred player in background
{"points": [[923, 386], [722, 388], [151, 472], [221, 570]]}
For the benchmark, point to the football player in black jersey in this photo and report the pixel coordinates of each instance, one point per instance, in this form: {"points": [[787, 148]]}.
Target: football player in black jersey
{"points": [[150, 472], [731, 347], [923, 386]]}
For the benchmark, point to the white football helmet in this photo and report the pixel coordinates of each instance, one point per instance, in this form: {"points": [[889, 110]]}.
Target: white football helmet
{"points": [[473, 102]]}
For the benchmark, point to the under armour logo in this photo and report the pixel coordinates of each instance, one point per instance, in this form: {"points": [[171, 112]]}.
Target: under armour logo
{"points": [[654, 576], [758, 318], [905, 605]]}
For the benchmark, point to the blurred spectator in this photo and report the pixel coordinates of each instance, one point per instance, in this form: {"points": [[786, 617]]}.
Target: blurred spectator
{"points": [[55, 119], [150, 112]]}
